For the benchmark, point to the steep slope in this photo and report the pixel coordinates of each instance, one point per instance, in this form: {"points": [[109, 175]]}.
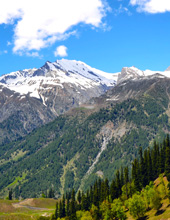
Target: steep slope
{"points": [[79, 146], [33, 97]]}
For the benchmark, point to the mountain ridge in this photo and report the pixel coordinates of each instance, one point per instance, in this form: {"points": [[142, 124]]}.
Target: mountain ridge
{"points": [[37, 96]]}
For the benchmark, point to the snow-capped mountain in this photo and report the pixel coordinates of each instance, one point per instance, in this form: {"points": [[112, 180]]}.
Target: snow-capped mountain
{"points": [[74, 73], [33, 97], [133, 73]]}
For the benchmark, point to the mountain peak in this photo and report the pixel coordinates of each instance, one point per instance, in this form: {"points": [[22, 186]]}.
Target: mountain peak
{"points": [[128, 73], [168, 69]]}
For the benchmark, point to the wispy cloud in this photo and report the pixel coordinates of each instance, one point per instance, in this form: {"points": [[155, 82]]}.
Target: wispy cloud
{"points": [[39, 24], [122, 9], [61, 51], [8, 43], [151, 6], [3, 52]]}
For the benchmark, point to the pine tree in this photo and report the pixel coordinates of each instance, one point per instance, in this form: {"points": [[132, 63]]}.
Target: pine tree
{"points": [[149, 167], [142, 168], [136, 175], [102, 192], [161, 160], [60, 210], [122, 177], [73, 206], [79, 197], [56, 211], [51, 193], [126, 178], [167, 160], [106, 187], [63, 207], [118, 183], [96, 195], [68, 207], [10, 194], [145, 178], [88, 199], [113, 190], [84, 203], [91, 195], [155, 160]]}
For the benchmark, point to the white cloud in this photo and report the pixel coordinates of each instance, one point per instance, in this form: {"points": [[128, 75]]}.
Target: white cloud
{"points": [[33, 54], [40, 23], [152, 6], [61, 51]]}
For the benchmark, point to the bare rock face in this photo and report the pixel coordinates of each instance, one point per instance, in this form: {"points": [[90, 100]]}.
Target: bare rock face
{"points": [[129, 73]]}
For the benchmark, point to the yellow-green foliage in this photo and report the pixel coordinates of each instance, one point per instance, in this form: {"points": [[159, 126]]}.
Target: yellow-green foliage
{"points": [[161, 186], [81, 215], [18, 178], [136, 206]]}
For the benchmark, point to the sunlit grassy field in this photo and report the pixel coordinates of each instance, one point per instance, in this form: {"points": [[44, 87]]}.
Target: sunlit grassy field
{"points": [[26, 209]]}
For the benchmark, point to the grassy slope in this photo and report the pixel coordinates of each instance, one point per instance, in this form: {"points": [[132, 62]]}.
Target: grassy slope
{"points": [[12, 211], [164, 212]]}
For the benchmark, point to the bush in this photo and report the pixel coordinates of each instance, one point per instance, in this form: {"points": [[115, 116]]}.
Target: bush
{"points": [[136, 206]]}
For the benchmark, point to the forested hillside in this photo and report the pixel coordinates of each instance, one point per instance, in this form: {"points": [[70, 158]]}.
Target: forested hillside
{"points": [[78, 147], [133, 191]]}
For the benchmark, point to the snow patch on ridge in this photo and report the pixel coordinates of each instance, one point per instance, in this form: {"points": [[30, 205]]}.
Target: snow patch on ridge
{"points": [[75, 73]]}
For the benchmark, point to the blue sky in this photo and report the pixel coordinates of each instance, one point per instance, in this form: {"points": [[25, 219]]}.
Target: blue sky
{"points": [[107, 35]]}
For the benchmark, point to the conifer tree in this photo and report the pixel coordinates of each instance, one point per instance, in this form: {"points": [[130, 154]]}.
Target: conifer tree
{"points": [[63, 207], [122, 177], [56, 211], [91, 195], [155, 160], [60, 210], [10, 194], [146, 167], [142, 168], [79, 197], [118, 183], [167, 160], [84, 203], [68, 207], [126, 178], [95, 195], [113, 190], [150, 174], [102, 192], [73, 206], [161, 160], [106, 188], [136, 175], [88, 199]]}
